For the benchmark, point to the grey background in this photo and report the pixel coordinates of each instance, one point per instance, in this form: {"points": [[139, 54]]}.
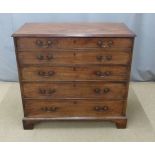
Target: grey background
{"points": [[143, 66]]}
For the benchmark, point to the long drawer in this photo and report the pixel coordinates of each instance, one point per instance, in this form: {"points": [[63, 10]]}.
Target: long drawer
{"points": [[47, 43], [72, 108], [72, 73], [70, 57], [100, 90]]}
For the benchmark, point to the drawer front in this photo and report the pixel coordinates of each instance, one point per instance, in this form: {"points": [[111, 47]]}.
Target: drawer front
{"points": [[69, 57], [75, 90], [48, 43], [72, 108], [107, 73]]}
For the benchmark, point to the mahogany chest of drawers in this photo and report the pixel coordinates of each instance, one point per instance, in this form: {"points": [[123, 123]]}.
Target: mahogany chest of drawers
{"points": [[74, 71]]}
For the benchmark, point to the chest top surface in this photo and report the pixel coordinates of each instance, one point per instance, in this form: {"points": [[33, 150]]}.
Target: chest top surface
{"points": [[74, 30]]}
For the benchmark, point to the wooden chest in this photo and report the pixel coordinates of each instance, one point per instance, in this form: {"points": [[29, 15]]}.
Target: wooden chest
{"points": [[74, 71]]}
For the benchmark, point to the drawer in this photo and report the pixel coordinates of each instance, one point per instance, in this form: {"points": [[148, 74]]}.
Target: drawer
{"points": [[69, 57], [48, 43], [72, 108], [54, 90], [53, 73]]}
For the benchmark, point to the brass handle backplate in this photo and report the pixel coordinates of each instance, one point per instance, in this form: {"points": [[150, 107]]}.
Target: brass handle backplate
{"points": [[104, 58], [101, 108], [46, 74], [47, 91], [99, 91], [44, 57], [44, 44], [106, 90], [102, 74], [49, 109], [105, 43]]}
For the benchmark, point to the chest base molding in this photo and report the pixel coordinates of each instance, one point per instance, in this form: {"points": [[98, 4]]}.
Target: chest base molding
{"points": [[120, 122]]}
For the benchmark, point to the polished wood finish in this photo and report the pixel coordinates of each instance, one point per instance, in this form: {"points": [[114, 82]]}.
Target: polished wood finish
{"points": [[74, 71], [72, 43], [72, 108], [76, 57], [74, 30], [75, 90]]}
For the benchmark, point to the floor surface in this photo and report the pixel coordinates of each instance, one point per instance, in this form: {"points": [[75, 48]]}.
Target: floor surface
{"points": [[140, 113]]}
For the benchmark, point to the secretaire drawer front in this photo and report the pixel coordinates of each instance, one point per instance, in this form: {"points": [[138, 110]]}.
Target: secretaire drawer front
{"points": [[48, 43], [72, 108], [46, 73], [75, 90], [69, 57]]}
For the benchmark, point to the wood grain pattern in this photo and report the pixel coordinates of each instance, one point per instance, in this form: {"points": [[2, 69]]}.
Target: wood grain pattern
{"points": [[77, 71], [72, 43], [76, 57], [54, 90], [72, 108], [72, 73], [120, 121], [74, 30]]}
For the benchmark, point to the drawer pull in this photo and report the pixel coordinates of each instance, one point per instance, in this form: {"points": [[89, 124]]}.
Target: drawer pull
{"points": [[49, 109], [104, 58], [42, 44], [100, 43], [105, 44], [49, 57], [99, 57], [108, 57], [44, 74], [106, 90], [101, 109], [98, 90], [47, 92], [42, 57], [102, 74]]}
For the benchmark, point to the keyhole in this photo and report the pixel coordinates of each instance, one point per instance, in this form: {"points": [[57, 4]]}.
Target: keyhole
{"points": [[74, 68], [75, 102], [74, 85], [74, 54], [74, 41]]}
